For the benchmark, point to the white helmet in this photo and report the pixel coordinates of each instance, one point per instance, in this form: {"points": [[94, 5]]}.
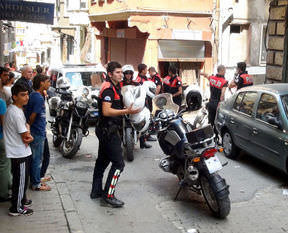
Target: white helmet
{"points": [[150, 88], [133, 95], [63, 83], [140, 121], [193, 97], [127, 68]]}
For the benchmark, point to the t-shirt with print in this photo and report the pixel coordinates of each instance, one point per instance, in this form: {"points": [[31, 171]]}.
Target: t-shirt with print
{"points": [[2, 112], [37, 104], [14, 125]]}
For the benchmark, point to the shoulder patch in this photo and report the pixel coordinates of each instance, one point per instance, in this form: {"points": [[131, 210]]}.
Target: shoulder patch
{"points": [[107, 98]]}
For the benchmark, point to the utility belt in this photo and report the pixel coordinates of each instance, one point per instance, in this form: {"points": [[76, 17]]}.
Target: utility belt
{"points": [[108, 128]]}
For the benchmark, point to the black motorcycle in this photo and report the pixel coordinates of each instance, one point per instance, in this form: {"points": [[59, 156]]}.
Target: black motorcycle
{"points": [[191, 155], [70, 123]]}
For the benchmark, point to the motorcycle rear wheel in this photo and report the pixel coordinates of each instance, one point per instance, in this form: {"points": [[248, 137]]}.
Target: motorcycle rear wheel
{"points": [[69, 149], [216, 195], [129, 147]]}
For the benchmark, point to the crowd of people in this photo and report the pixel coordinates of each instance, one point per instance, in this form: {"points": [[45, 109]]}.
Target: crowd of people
{"points": [[24, 149]]}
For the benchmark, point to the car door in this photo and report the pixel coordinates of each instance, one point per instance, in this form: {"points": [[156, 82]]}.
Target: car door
{"points": [[241, 118], [268, 140]]}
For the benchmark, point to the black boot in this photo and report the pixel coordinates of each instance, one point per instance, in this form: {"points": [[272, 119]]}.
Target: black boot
{"points": [[113, 201], [143, 144]]}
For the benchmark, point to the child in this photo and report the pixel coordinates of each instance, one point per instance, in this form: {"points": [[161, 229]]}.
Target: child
{"points": [[17, 138]]}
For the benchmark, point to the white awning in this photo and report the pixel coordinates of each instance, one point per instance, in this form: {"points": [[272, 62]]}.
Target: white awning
{"points": [[181, 50]]}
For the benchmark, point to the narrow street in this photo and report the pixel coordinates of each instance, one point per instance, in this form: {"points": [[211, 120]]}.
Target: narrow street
{"points": [[256, 192]]}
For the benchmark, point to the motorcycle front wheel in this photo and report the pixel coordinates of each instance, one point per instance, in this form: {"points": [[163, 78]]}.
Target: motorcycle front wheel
{"points": [[69, 149], [216, 195], [129, 147]]}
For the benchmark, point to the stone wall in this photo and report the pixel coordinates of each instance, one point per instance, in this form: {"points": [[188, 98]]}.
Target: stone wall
{"points": [[275, 70]]}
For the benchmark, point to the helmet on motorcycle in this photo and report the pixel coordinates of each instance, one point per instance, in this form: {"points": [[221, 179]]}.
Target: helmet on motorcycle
{"points": [[193, 97], [63, 83], [128, 68], [150, 88], [194, 101], [140, 121]]}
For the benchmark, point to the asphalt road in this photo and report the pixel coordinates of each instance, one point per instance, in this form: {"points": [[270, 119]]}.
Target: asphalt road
{"points": [[256, 193]]}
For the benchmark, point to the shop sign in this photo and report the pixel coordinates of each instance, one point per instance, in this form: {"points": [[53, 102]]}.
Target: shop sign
{"points": [[34, 12]]}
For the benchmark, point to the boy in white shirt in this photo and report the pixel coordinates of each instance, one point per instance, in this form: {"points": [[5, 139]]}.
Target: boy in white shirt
{"points": [[17, 138]]}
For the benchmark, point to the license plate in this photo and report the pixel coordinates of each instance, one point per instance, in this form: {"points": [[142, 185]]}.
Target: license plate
{"points": [[213, 164]]}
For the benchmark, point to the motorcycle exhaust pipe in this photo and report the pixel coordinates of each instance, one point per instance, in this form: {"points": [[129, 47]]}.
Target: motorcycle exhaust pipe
{"points": [[165, 164]]}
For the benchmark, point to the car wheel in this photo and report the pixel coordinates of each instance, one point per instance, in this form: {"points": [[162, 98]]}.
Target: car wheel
{"points": [[230, 149]]}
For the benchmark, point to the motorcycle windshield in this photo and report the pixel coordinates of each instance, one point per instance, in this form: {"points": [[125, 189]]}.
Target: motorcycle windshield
{"points": [[164, 101]]}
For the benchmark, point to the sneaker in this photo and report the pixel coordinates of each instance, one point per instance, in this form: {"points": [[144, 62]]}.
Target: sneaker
{"points": [[24, 212], [27, 203]]}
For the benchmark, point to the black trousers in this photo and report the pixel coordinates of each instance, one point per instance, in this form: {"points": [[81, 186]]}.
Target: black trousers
{"points": [[46, 159], [212, 109], [20, 169], [109, 151]]}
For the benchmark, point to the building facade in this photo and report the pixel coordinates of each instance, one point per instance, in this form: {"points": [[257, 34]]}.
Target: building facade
{"points": [[75, 40], [242, 36], [157, 33], [277, 68]]}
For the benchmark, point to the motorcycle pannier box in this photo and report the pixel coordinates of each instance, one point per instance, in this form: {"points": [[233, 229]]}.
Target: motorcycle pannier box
{"points": [[201, 135]]}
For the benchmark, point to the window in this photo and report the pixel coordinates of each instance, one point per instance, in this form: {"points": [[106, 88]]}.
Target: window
{"points": [[248, 103], [263, 52], [235, 29], [285, 104], [238, 101], [83, 4], [72, 4], [267, 108]]}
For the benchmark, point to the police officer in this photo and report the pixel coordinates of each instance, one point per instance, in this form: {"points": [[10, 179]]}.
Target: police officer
{"points": [[141, 78], [172, 84], [142, 71], [242, 78], [128, 72], [218, 85], [155, 77], [110, 120]]}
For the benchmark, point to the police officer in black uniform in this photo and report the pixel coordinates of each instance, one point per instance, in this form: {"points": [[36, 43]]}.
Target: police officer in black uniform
{"points": [[141, 78], [242, 78], [155, 77], [111, 111], [218, 85], [172, 84]]}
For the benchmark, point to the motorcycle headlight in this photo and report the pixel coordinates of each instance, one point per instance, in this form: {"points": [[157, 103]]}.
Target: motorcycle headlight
{"points": [[85, 92], [81, 104]]}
